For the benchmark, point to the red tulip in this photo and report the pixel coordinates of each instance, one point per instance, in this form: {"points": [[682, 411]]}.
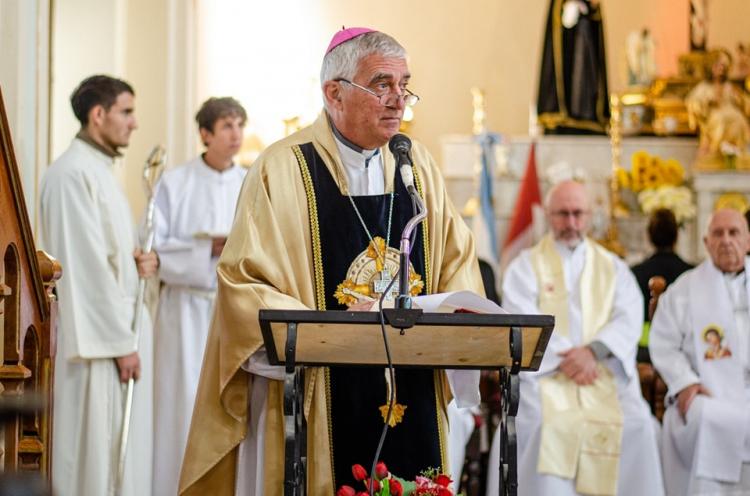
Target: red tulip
{"points": [[359, 472], [443, 480], [346, 491], [375, 484], [395, 487], [381, 471], [362, 493], [444, 491]]}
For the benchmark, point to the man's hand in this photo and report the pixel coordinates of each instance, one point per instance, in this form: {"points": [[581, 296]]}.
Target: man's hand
{"points": [[217, 245], [686, 396], [147, 263], [361, 306], [129, 366], [579, 364]]}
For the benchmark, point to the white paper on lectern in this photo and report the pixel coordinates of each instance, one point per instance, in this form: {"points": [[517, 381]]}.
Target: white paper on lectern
{"points": [[450, 302]]}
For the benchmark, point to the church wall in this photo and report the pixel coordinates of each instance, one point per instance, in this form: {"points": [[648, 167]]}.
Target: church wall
{"points": [[492, 44]]}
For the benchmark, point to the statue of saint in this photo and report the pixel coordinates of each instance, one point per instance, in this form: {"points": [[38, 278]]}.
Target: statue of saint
{"points": [[573, 96], [641, 57], [720, 110]]}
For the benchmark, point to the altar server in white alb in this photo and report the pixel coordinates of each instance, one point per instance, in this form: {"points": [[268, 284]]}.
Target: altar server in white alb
{"points": [[699, 343], [87, 225], [195, 206], [583, 426]]}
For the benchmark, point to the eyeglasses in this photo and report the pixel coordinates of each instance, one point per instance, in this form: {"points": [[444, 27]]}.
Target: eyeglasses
{"points": [[564, 214], [388, 98]]}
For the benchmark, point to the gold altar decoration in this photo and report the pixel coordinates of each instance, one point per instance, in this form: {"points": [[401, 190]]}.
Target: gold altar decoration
{"points": [[611, 239], [661, 108], [251, 147], [734, 200], [407, 119], [478, 116]]}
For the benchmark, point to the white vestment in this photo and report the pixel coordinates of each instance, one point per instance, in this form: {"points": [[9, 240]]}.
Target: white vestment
{"points": [[639, 468], [87, 225], [462, 424], [193, 203], [709, 451]]}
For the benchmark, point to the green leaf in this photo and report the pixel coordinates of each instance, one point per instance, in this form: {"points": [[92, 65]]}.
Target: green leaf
{"points": [[408, 486]]}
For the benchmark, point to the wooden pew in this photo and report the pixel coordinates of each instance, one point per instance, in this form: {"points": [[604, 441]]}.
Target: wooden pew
{"points": [[653, 387], [27, 323]]}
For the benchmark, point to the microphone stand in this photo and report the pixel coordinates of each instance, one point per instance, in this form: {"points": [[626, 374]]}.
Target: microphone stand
{"points": [[403, 300]]}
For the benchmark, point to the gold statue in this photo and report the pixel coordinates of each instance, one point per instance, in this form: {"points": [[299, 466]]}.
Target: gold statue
{"points": [[720, 111]]}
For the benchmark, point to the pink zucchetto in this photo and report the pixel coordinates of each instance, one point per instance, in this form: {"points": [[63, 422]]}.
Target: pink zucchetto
{"points": [[345, 35]]}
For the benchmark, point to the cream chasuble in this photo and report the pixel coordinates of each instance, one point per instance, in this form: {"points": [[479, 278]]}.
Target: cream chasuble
{"points": [[268, 262], [581, 425], [572, 439], [88, 227]]}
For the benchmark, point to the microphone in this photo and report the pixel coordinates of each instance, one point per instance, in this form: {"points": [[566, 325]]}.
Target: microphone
{"points": [[400, 146]]}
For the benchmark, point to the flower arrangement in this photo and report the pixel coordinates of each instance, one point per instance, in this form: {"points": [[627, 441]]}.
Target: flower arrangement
{"points": [[429, 483], [658, 184]]}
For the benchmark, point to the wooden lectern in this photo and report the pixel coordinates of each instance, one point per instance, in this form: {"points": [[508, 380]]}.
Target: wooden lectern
{"points": [[297, 338]]}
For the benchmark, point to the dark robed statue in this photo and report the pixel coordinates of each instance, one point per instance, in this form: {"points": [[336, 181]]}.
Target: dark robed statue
{"points": [[573, 96]]}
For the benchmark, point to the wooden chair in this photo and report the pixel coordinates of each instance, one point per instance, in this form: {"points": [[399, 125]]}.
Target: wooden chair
{"points": [[653, 387], [27, 324]]}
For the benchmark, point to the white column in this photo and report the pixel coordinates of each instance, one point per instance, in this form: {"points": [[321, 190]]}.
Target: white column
{"points": [[24, 78]]}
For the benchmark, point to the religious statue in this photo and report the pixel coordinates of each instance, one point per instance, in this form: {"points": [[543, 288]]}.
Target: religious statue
{"points": [[698, 24], [573, 96], [720, 111], [641, 58]]}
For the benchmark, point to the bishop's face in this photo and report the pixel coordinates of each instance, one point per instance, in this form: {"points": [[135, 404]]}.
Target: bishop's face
{"points": [[360, 116]]}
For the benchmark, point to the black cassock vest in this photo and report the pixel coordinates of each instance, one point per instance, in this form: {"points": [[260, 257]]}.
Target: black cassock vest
{"points": [[354, 394]]}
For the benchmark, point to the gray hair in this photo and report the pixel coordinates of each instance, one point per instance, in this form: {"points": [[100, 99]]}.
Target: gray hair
{"points": [[343, 61]]}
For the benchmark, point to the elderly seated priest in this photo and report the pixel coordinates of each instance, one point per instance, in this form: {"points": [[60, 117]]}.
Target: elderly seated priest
{"points": [[316, 227], [699, 344], [583, 426]]}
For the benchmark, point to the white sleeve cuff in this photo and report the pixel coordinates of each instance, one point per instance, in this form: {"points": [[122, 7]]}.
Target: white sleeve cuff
{"points": [[258, 364]]}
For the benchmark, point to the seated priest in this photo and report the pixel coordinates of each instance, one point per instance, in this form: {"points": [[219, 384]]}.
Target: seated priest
{"points": [[699, 344], [317, 223], [583, 426]]}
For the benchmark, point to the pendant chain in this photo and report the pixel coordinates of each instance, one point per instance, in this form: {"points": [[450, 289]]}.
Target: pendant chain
{"points": [[367, 231]]}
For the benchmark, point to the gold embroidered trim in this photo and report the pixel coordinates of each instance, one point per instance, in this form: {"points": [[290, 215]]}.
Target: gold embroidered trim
{"points": [[312, 207], [425, 238], [320, 301], [330, 420], [436, 379]]}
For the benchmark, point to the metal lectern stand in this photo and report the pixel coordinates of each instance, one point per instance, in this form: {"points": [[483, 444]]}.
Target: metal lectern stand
{"points": [[299, 338]]}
